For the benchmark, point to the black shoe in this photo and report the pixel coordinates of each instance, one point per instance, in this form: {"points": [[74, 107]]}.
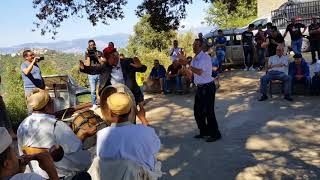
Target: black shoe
{"points": [[263, 98], [212, 139], [288, 98], [199, 136]]}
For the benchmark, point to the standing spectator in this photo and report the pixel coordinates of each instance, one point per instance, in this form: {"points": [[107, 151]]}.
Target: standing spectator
{"points": [[273, 41], [215, 67], [31, 74], [314, 32], [158, 73], [261, 51], [174, 51], [205, 47], [267, 32], [4, 119], [205, 96], [294, 29], [316, 79], [173, 75], [299, 71], [220, 48], [276, 71], [93, 58], [248, 47]]}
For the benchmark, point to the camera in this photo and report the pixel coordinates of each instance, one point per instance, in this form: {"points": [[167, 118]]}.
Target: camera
{"points": [[40, 58]]}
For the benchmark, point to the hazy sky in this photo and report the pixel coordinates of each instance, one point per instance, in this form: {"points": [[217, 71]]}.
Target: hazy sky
{"points": [[17, 18]]}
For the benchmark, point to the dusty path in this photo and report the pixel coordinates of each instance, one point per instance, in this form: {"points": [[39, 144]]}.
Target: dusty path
{"points": [[261, 140]]}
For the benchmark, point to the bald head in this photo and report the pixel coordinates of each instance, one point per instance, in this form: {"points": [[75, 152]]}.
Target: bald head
{"points": [[280, 50]]}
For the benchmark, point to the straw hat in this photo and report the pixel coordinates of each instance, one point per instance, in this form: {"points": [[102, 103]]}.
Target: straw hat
{"points": [[38, 99], [119, 103]]}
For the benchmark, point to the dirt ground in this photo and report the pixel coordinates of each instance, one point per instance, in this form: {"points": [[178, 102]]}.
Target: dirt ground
{"points": [[275, 139]]}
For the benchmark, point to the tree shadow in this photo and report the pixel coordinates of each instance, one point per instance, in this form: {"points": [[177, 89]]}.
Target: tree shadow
{"points": [[240, 117]]}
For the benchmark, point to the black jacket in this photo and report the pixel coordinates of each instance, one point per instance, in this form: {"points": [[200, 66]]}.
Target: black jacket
{"points": [[129, 76]]}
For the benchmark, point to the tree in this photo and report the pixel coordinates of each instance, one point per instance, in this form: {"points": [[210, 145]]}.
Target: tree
{"points": [[146, 36], [164, 14], [220, 14]]}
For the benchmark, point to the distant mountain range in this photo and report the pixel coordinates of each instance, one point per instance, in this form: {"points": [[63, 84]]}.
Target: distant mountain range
{"points": [[72, 46], [80, 45]]}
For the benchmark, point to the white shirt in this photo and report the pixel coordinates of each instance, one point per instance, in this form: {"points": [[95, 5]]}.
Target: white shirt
{"points": [[174, 53], [273, 60], [138, 143], [202, 61], [38, 130], [117, 75], [26, 176]]}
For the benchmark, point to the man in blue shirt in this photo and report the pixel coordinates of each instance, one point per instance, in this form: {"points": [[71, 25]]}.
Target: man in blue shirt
{"points": [[299, 71], [158, 73], [31, 74], [220, 48]]}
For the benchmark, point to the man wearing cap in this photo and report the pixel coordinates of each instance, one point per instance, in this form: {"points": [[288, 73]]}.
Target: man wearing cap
{"points": [[42, 130], [115, 71], [124, 140], [299, 71], [11, 166], [276, 71]]}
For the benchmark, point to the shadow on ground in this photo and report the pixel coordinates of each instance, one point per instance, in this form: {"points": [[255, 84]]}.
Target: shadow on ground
{"points": [[275, 139]]}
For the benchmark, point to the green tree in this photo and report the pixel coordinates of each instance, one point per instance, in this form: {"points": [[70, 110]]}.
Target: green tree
{"points": [[219, 14], [144, 35]]}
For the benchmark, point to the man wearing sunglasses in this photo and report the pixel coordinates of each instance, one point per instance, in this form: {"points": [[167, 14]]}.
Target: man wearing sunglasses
{"points": [[114, 71]]}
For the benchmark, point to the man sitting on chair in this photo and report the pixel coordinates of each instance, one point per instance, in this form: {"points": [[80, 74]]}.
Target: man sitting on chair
{"points": [[299, 71], [42, 130], [276, 71]]}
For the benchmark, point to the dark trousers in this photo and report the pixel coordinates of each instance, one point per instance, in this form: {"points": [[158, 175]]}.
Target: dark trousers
{"points": [[204, 110], [315, 47], [4, 119], [248, 51], [316, 84]]}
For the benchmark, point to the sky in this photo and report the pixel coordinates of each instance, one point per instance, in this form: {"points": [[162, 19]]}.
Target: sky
{"points": [[17, 17]]}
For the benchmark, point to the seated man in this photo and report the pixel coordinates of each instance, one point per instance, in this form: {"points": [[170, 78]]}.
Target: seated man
{"points": [[299, 71], [276, 71], [158, 73], [316, 79], [11, 166], [124, 140], [173, 75], [42, 130]]}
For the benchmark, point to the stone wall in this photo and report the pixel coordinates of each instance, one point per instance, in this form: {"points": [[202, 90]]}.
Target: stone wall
{"points": [[266, 6]]}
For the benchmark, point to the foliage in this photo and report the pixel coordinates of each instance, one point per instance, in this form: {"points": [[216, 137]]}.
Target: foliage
{"points": [[12, 84], [164, 14], [144, 35], [219, 14]]}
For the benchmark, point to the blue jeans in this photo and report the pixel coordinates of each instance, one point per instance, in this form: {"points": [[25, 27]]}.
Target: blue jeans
{"points": [[275, 75], [296, 46], [94, 80], [176, 79], [220, 57], [261, 55]]}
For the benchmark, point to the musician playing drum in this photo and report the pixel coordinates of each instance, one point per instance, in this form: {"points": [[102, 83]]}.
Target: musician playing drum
{"points": [[42, 130]]}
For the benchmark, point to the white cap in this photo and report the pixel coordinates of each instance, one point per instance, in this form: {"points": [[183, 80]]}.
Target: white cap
{"points": [[5, 139]]}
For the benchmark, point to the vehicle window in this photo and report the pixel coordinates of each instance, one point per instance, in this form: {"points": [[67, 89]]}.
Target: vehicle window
{"points": [[237, 40]]}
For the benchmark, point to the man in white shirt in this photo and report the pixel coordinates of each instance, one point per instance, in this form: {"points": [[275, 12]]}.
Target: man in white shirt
{"points": [[124, 140], [204, 114], [42, 130], [11, 166], [277, 65], [174, 51]]}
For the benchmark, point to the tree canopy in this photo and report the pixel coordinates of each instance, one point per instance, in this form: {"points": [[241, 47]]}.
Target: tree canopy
{"points": [[164, 14]]}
